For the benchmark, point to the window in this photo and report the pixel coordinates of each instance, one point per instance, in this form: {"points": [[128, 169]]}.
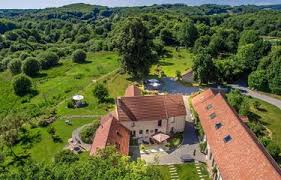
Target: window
{"points": [[140, 132], [209, 106], [218, 125], [227, 138], [133, 133], [147, 131], [118, 134], [212, 116], [160, 123], [156, 130], [133, 124]]}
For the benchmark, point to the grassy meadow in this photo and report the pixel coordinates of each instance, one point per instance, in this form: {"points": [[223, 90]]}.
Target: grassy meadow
{"points": [[54, 88], [270, 116], [175, 60]]}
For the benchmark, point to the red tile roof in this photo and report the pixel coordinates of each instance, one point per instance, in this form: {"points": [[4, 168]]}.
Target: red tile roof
{"points": [[243, 157], [145, 108], [132, 90], [111, 132]]}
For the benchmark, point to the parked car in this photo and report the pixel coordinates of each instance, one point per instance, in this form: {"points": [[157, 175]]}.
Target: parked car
{"points": [[187, 158]]}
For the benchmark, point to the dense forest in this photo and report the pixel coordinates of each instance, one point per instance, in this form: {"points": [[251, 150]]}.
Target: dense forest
{"points": [[229, 44]]}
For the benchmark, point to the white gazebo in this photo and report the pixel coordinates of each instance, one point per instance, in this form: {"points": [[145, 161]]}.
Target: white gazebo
{"points": [[78, 98]]}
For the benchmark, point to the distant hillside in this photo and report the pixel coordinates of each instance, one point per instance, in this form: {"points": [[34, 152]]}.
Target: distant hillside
{"points": [[87, 11]]}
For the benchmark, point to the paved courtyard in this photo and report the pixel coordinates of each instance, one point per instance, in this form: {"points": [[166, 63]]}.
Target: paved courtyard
{"points": [[171, 86], [160, 154], [190, 143]]}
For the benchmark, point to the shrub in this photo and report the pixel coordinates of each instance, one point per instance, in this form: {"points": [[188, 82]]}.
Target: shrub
{"points": [[257, 105], [101, 93], [48, 59], [43, 123], [56, 138], [4, 64], [88, 131], [258, 80], [23, 56], [82, 38], [79, 56], [15, 66], [51, 130], [178, 75], [22, 84], [66, 156], [70, 104], [274, 150], [30, 67], [265, 141]]}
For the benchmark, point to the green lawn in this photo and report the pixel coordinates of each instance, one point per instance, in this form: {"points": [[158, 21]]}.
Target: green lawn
{"points": [[185, 171], [165, 173], [188, 171], [46, 148], [180, 60], [56, 84], [271, 116], [116, 85]]}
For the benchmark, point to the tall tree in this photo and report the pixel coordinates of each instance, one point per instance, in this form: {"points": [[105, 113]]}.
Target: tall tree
{"points": [[188, 34], [248, 37], [135, 46], [30, 67], [204, 69]]}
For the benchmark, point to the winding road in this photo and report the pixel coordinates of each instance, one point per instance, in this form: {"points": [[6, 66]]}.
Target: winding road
{"points": [[245, 90]]}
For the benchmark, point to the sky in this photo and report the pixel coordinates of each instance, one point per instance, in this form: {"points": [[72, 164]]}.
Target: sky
{"points": [[39, 4]]}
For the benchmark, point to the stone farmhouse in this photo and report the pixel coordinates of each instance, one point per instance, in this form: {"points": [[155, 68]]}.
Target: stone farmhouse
{"points": [[139, 117]]}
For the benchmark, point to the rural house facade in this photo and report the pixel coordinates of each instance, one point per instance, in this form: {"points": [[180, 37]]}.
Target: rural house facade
{"points": [[140, 117]]}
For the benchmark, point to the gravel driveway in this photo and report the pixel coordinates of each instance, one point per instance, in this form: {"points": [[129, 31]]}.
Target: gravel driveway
{"points": [[173, 87]]}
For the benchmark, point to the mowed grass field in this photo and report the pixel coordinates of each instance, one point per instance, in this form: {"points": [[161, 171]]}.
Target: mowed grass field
{"points": [[186, 171], [47, 148], [176, 60], [271, 116]]}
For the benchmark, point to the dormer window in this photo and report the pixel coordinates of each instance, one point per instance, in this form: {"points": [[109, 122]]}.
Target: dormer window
{"points": [[212, 116], [218, 125], [209, 106], [227, 138], [133, 124]]}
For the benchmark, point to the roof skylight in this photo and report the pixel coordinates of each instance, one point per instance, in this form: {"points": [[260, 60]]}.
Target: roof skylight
{"points": [[227, 138], [212, 116], [218, 125]]}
